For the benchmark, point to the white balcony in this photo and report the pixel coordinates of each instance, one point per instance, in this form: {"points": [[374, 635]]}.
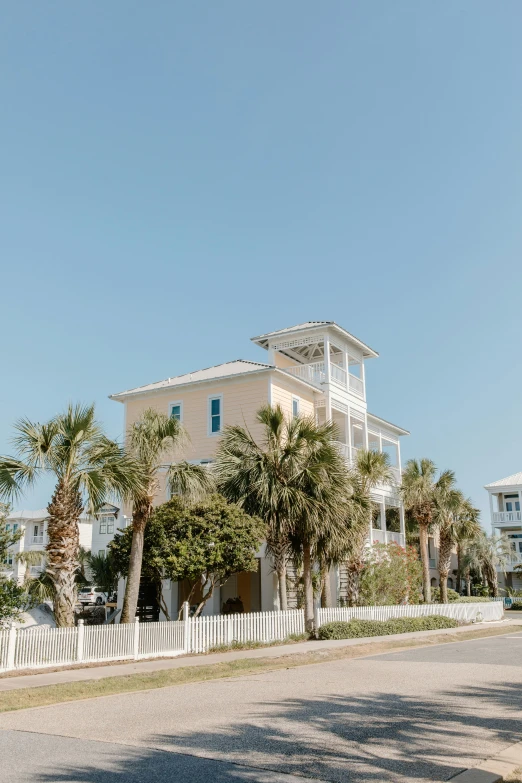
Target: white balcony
{"points": [[315, 374], [507, 517], [387, 537], [513, 560]]}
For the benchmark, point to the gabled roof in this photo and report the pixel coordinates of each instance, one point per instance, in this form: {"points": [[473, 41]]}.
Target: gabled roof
{"points": [[263, 339], [219, 371], [509, 481]]}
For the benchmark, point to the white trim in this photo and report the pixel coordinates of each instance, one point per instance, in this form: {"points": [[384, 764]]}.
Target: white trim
{"points": [[298, 401], [209, 415], [180, 403]]}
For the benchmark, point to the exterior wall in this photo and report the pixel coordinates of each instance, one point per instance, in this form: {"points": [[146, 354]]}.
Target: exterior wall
{"points": [[283, 391], [242, 397]]}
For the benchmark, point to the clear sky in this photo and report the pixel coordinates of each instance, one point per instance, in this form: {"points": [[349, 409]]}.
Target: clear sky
{"points": [[177, 177]]}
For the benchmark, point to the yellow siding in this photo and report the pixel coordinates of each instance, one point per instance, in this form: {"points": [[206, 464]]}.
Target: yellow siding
{"points": [[283, 391], [241, 399], [280, 360]]}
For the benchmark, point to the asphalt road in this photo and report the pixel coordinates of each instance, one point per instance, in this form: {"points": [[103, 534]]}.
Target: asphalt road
{"points": [[419, 715]]}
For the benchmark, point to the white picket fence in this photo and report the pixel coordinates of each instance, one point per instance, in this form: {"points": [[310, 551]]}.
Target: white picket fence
{"points": [[35, 648]]}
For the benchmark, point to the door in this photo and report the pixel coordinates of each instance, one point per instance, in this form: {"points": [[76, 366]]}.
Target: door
{"points": [[512, 505]]}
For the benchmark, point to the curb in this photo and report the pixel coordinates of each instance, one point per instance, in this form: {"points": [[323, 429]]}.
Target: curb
{"points": [[494, 769]]}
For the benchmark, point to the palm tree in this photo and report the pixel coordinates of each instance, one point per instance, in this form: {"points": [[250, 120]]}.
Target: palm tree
{"points": [[456, 518], [258, 477], [102, 571], [296, 480], [371, 468], [88, 468], [486, 554], [419, 488], [152, 439]]}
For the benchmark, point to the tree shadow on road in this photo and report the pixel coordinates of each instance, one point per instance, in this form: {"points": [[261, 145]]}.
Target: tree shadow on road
{"points": [[381, 737]]}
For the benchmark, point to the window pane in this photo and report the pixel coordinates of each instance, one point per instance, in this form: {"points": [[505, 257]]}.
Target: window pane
{"points": [[216, 423], [176, 412], [214, 407]]}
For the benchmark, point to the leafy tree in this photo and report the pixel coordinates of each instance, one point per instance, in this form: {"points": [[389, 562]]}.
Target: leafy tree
{"points": [[204, 542], [8, 537], [13, 601], [152, 441], [419, 490], [87, 467], [391, 575]]}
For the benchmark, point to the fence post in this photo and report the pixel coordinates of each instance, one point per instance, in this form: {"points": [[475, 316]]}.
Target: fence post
{"points": [[11, 646], [136, 638], [186, 628], [230, 629], [79, 641]]}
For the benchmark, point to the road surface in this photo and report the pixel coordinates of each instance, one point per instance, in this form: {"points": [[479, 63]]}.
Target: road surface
{"points": [[417, 715]]}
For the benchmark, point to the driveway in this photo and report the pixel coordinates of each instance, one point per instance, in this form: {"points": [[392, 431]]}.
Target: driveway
{"points": [[419, 715]]}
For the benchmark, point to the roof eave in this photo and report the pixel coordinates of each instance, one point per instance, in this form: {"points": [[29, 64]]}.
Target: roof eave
{"points": [[398, 430], [368, 353]]}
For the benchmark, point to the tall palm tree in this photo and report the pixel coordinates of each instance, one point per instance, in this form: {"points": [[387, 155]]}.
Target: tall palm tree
{"points": [[456, 518], [295, 479], [151, 441], [258, 476], [486, 554], [371, 468], [419, 488], [88, 468]]}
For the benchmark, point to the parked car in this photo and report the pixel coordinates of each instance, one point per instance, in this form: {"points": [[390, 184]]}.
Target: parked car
{"points": [[92, 595]]}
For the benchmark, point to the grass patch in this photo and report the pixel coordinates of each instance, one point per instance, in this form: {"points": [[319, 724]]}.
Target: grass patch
{"points": [[42, 696]]}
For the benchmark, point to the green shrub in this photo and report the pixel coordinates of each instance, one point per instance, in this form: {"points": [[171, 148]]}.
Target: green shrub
{"points": [[359, 629], [517, 606], [435, 595], [473, 599]]}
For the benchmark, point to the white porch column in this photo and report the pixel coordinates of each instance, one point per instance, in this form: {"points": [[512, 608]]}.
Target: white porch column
{"points": [[328, 402], [518, 515], [363, 377], [402, 521], [383, 522], [491, 507]]}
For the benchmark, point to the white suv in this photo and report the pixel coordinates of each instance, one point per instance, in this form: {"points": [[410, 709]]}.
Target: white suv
{"points": [[92, 595]]}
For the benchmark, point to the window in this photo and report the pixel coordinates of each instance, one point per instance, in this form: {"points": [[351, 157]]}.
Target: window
{"points": [[295, 406], [15, 527], [110, 524], [103, 526], [214, 415], [101, 552], [176, 411]]}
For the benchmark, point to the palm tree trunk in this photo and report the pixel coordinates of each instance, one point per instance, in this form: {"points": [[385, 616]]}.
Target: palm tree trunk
{"points": [[130, 602], [352, 583], [468, 583], [308, 589], [62, 551], [281, 579], [326, 591], [423, 541], [277, 546], [445, 546], [459, 568]]}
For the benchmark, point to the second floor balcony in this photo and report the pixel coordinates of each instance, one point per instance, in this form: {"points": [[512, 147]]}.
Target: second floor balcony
{"points": [[507, 517]]}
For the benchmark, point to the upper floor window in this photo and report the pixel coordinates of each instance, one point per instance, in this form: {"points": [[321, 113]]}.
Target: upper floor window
{"points": [[15, 527], [176, 411], [295, 406], [215, 414], [512, 503], [107, 524]]}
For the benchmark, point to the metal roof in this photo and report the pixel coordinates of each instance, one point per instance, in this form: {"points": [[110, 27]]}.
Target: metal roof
{"points": [[399, 430], [509, 481], [262, 339], [226, 370]]}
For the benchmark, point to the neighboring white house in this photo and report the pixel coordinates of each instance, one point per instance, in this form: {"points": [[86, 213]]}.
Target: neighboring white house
{"points": [[505, 503], [95, 534], [314, 369]]}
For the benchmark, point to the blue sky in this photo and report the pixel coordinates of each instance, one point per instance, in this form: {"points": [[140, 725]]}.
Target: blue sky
{"points": [[178, 177]]}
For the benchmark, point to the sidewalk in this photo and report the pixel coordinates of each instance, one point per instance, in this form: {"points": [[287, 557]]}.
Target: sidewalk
{"points": [[158, 664]]}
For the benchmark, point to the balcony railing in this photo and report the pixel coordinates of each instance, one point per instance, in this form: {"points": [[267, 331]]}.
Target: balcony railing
{"points": [[315, 374], [506, 517]]}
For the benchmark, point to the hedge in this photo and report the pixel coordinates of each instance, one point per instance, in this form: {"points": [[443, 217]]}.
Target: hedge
{"points": [[517, 605], [359, 629]]}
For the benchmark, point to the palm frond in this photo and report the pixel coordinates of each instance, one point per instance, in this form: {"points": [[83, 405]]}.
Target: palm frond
{"points": [[15, 477], [190, 482]]}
